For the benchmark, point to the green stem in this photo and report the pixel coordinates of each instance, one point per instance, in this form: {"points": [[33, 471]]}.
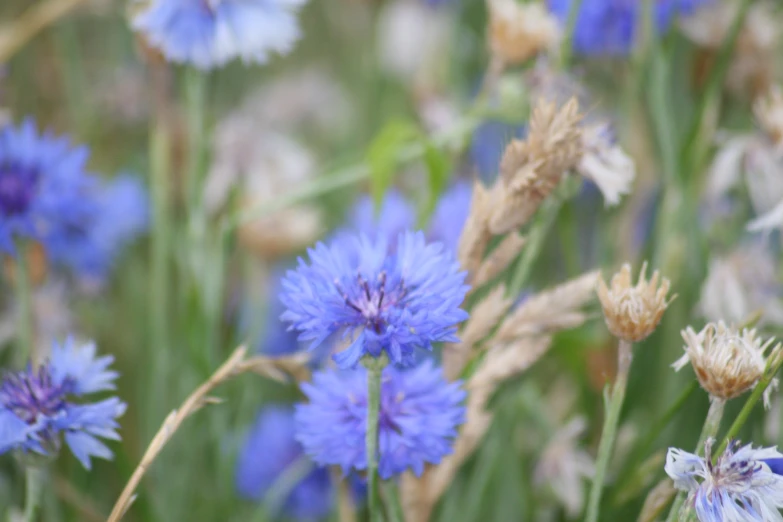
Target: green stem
{"points": [[26, 350], [609, 432], [679, 510], [34, 489], [393, 506], [195, 99], [567, 49], [374, 370]]}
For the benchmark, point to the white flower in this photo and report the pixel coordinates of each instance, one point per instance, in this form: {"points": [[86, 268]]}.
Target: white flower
{"points": [[744, 485], [564, 466], [606, 164]]}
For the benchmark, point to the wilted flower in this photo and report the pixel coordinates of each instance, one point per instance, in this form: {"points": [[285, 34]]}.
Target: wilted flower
{"points": [[744, 485], [519, 31], [564, 466], [392, 302], [754, 61], [36, 405], [419, 416], [606, 164], [633, 312], [269, 451], [43, 184], [609, 27], [727, 362], [211, 33], [741, 285]]}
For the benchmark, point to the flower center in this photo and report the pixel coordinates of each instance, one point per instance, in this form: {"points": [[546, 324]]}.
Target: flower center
{"points": [[17, 188], [373, 300], [32, 394]]}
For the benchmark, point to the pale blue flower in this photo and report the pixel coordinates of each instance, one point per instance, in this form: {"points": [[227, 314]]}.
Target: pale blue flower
{"points": [[392, 300], [419, 416], [211, 33], [270, 450], [38, 406], [744, 485]]}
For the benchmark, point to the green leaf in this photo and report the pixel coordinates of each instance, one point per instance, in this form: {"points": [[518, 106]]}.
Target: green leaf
{"points": [[439, 168], [383, 155]]}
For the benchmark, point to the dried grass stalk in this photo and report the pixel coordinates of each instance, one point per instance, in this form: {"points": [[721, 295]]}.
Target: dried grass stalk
{"points": [[531, 169], [659, 497], [484, 317], [551, 310], [475, 236], [499, 259], [235, 365]]}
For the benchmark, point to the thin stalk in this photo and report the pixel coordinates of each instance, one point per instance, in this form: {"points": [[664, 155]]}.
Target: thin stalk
{"points": [[679, 510], [374, 370], [26, 349], [33, 491], [568, 40], [394, 511], [609, 432], [195, 99]]}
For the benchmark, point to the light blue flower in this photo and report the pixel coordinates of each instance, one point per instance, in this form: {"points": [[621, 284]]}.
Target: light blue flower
{"points": [[395, 215], [608, 27], [211, 33], [744, 485], [450, 215], [37, 405], [121, 213], [43, 186], [419, 416], [269, 451], [392, 300]]}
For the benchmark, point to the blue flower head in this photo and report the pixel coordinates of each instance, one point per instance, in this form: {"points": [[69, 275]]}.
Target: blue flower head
{"points": [[42, 186], [211, 33], [744, 485], [608, 27], [419, 416], [392, 302], [37, 405], [121, 213], [450, 215], [395, 215], [269, 451]]}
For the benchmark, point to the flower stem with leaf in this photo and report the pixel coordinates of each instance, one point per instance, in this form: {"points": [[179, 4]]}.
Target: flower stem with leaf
{"points": [[375, 366]]}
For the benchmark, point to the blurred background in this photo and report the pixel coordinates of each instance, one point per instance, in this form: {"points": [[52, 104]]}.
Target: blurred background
{"points": [[384, 99]]}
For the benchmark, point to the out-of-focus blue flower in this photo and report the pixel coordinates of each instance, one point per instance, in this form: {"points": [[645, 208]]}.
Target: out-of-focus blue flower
{"points": [[487, 146], [269, 451], [450, 215], [419, 416], [744, 485], [392, 302], [395, 215], [121, 214], [211, 33], [36, 406], [608, 27], [42, 186]]}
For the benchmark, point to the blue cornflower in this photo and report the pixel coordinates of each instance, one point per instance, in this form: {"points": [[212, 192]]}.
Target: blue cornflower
{"points": [[744, 485], [395, 215], [419, 416], [608, 27], [450, 215], [270, 450], [42, 186], [211, 33], [36, 405], [121, 213], [392, 302]]}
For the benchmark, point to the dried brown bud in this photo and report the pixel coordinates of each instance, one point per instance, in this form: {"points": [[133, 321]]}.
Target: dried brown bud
{"points": [[518, 32], [727, 362], [633, 312]]}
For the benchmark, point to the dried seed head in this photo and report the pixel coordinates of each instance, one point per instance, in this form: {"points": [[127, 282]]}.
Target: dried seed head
{"points": [[633, 312], [518, 32], [531, 169], [727, 362]]}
